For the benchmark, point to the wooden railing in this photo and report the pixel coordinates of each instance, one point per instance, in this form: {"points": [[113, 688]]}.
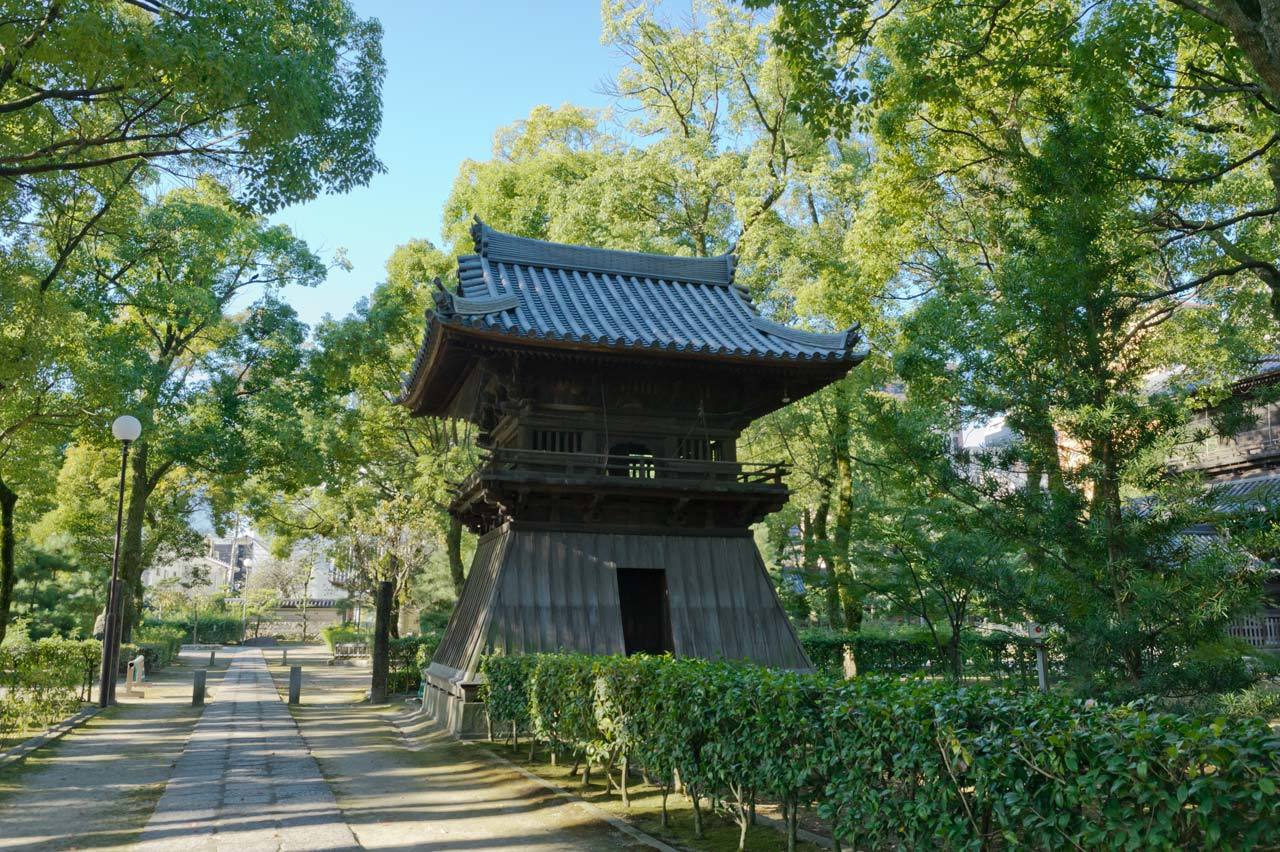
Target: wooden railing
{"points": [[584, 465], [1260, 631]]}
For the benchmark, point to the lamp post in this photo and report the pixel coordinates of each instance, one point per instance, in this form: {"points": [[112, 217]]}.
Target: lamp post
{"points": [[126, 430]]}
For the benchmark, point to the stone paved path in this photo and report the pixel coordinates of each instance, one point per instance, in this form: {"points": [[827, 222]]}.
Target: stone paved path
{"points": [[402, 787], [245, 781]]}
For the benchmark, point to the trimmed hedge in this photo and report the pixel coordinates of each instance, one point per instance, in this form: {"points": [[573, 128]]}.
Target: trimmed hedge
{"points": [[908, 652], [342, 634], [409, 655], [159, 643], [44, 682], [906, 763], [213, 628]]}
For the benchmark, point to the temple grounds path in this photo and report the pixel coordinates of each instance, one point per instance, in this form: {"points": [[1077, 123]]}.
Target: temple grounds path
{"points": [[245, 780], [96, 787], [408, 789]]}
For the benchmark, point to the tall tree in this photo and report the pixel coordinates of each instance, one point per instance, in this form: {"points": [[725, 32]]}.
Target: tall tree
{"points": [[1011, 205], [1195, 82], [284, 96], [199, 346], [375, 480]]}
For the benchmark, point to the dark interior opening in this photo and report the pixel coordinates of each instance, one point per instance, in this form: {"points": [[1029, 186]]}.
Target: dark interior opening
{"points": [[631, 459], [646, 618]]}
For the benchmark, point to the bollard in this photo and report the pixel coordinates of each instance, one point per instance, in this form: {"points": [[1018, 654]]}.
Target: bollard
{"points": [[197, 688], [134, 675], [1042, 667], [295, 684], [212, 658], [284, 656]]}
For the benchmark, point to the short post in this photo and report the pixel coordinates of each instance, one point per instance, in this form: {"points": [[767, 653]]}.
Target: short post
{"points": [[212, 658], [295, 684], [135, 675], [1042, 666], [197, 688], [284, 656]]}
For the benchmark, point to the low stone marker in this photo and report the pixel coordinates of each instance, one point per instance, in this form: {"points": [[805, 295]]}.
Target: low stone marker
{"points": [[295, 684], [197, 688], [134, 676]]}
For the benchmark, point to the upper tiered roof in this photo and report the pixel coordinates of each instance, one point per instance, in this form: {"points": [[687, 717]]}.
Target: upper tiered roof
{"points": [[535, 293]]}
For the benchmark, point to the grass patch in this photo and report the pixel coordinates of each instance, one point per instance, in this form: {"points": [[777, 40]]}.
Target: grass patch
{"points": [[720, 833]]}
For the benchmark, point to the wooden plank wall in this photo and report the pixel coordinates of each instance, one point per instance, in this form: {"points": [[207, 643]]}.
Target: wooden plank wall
{"points": [[558, 592], [540, 591], [461, 643]]}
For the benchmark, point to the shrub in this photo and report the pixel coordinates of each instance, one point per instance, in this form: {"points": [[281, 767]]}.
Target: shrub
{"points": [[160, 643], [342, 634], [43, 682], [1261, 701], [409, 655], [505, 691], [561, 702], [213, 628], [912, 651], [907, 763]]}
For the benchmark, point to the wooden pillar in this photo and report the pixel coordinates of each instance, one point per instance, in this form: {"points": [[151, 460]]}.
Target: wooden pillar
{"points": [[381, 644]]}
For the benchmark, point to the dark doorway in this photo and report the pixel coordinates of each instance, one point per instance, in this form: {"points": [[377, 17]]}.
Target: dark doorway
{"points": [[646, 619]]}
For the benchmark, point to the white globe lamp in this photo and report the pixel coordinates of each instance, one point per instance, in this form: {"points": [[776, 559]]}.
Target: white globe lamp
{"points": [[126, 428]]}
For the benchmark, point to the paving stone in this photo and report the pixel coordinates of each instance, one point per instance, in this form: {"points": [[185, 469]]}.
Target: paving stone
{"points": [[246, 782]]}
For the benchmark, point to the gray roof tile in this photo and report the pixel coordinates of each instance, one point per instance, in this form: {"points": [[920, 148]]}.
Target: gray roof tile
{"points": [[534, 289]]}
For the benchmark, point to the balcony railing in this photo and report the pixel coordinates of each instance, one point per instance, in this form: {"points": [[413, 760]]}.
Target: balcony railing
{"points": [[627, 467]]}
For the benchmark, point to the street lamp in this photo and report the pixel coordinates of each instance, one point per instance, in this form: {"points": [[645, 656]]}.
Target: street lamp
{"points": [[126, 430]]}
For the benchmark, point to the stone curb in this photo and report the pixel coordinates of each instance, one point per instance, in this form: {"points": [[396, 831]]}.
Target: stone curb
{"points": [[54, 732], [598, 813]]}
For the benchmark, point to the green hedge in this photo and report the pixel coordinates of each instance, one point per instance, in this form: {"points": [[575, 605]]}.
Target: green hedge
{"points": [[213, 629], [907, 763], [987, 656], [43, 682], [160, 643], [409, 655], [342, 634]]}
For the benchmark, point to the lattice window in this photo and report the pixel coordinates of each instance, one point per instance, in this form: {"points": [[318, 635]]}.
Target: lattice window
{"points": [[699, 449], [557, 441]]}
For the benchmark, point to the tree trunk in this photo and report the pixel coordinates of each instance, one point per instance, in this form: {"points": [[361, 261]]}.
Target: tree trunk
{"points": [[453, 545], [8, 571], [850, 601], [1255, 35], [136, 495], [381, 645], [822, 553]]}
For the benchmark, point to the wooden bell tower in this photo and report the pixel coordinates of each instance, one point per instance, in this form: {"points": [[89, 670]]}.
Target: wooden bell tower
{"points": [[609, 389]]}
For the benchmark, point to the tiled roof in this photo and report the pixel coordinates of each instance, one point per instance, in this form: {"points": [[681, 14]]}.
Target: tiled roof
{"points": [[551, 292], [1254, 491], [1265, 369]]}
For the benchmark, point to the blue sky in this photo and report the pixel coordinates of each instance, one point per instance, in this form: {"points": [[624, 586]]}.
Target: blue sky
{"points": [[456, 71]]}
